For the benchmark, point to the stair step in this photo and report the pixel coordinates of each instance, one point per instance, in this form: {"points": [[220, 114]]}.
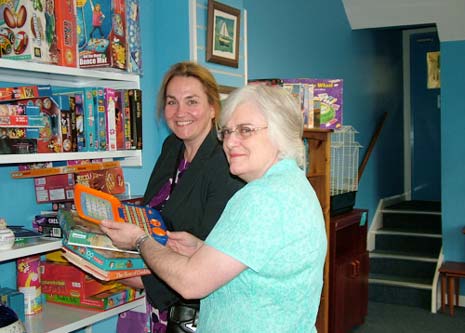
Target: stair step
{"points": [[417, 222], [406, 256], [408, 244], [401, 281], [409, 230], [417, 205], [403, 269], [399, 294]]}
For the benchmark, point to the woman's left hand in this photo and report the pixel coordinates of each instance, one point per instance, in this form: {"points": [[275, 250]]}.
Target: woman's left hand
{"points": [[123, 235]]}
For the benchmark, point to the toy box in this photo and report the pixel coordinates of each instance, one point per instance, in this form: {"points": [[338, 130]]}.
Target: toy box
{"points": [[27, 30], [49, 136], [59, 278], [101, 33], [8, 94], [329, 94], [17, 146], [303, 94], [67, 123], [103, 301], [54, 188], [106, 180], [134, 54], [101, 120], [110, 111], [66, 34]]}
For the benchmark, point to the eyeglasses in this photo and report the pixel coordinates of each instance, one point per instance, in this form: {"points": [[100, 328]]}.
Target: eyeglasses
{"points": [[244, 131]]}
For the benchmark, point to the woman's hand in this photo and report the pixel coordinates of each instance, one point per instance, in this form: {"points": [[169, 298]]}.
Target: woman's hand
{"points": [[123, 235], [183, 243]]}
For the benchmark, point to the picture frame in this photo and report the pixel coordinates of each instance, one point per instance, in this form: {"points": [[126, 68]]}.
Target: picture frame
{"points": [[223, 34], [225, 91]]}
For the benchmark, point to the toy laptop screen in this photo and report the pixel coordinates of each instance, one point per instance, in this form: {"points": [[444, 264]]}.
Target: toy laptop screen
{"points": [[95, 205]]}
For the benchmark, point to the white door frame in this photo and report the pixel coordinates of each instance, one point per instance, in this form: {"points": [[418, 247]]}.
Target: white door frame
{"points": [[408, 131]]}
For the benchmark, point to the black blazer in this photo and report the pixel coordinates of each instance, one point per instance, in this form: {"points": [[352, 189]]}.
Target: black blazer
{"points": [[196, 202]]}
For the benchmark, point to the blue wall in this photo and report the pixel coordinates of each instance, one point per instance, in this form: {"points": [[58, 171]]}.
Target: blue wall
{"points": [[314, 39], [299, 39], [453, 149]]}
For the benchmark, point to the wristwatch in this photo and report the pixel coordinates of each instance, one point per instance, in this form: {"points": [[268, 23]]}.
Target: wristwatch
{"points": [[141, 240]]}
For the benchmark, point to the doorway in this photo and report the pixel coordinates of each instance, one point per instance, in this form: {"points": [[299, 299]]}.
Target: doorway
{"points": [[422, 120]]}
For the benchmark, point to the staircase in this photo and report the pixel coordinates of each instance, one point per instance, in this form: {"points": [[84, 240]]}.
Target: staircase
{"points": [[407, 247]]}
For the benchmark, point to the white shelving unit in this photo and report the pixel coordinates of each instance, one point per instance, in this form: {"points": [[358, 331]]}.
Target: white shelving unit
{"points": [[35, 73], [40, 245], [56, 318], [59, 318]]}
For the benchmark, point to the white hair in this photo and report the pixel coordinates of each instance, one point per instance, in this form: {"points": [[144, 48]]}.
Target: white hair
{"points": [[282, 113]]}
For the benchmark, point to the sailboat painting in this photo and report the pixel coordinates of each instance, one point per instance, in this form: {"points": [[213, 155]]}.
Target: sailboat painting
{"points": [[223, 39], [223, 34]]}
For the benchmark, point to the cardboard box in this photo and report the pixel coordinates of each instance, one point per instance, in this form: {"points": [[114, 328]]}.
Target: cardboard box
{"points": [[106, 180], [303, 94], [110, 111], [17, 146], [49, 137], [134, 53], [103, 301], [329, 94], [66, 34], [59, 278], [27, 30], [102, 34], [54, 188]]}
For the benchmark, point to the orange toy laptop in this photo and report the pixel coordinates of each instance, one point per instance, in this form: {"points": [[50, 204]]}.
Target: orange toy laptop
{"points": [[95, 206]]}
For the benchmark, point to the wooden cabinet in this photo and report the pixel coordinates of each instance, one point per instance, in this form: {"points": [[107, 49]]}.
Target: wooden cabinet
{"points": [[349, 267], [319, 155]]}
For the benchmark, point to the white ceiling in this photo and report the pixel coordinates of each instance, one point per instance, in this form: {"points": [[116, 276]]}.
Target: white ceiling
{"points": [[448, 15]]}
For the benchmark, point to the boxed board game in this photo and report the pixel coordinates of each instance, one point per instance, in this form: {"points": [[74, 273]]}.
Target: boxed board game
{"points": [[105, 300], [329, 94], [303, 93], [66, 34], [101, 27], [134, 53], [58, 278], [54, 188], [27, 30]]}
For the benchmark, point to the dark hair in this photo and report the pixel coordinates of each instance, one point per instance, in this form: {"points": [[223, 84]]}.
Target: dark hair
{"points": [[191, 69]]}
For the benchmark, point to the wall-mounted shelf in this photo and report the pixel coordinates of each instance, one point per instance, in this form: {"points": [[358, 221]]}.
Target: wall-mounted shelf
{"points": [[56, 318], [128, 157], [36, 73], [38, 245]]}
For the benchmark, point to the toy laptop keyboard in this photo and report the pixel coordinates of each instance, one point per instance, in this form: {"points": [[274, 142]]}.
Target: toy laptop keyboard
{"points": [[95, 206]]}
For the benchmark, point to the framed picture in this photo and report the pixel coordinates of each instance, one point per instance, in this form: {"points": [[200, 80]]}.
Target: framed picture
{"points": [[223, 34], [225, 91]]}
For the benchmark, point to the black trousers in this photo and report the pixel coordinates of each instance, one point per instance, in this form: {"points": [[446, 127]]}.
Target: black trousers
{"points": [[183, 317]]}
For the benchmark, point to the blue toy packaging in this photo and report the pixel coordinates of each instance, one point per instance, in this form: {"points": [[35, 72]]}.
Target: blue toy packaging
{"points": [[101, 29]]}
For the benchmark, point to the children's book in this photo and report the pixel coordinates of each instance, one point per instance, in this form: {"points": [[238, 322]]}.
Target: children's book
{"points": [[106, 259], [100, 273], [95, 206], [80, 232]]}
